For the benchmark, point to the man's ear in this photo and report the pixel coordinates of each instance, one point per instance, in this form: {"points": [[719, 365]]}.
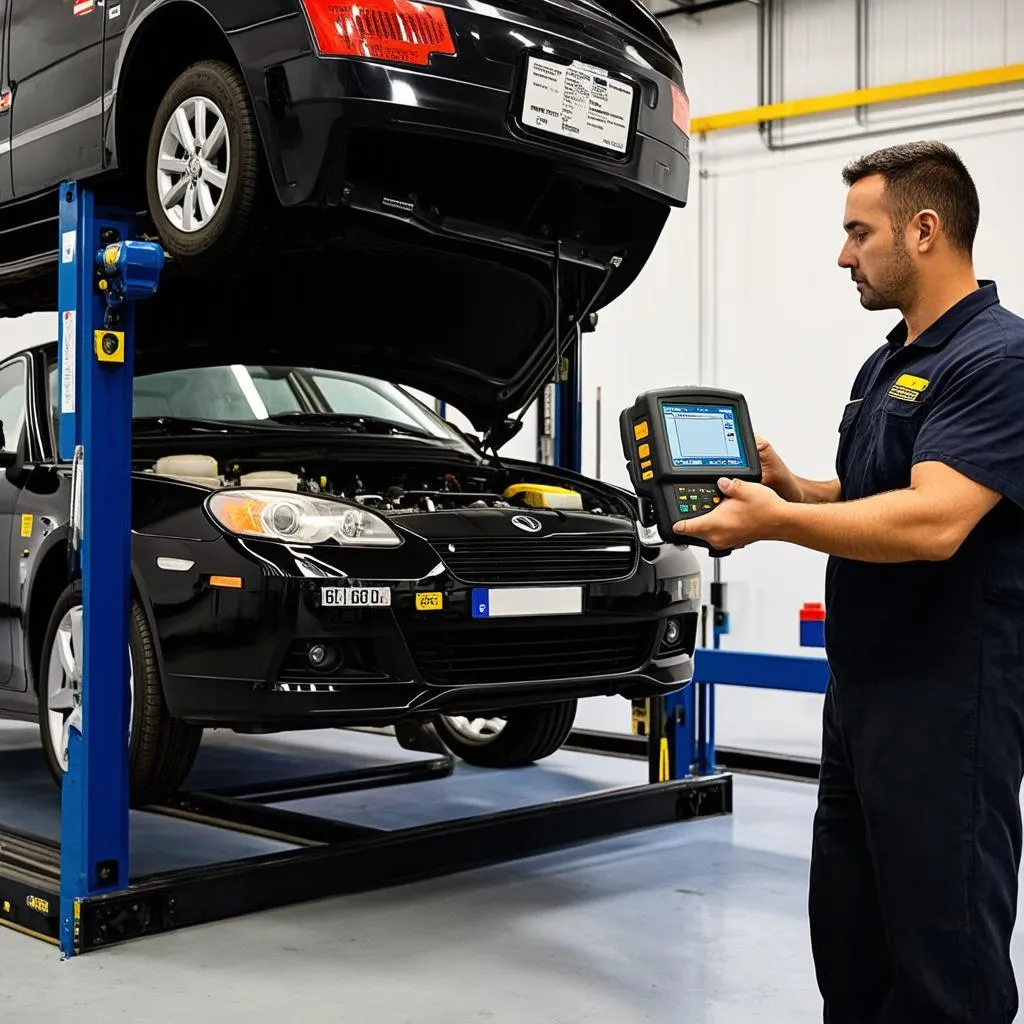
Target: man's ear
{"points": [[925, 230]]}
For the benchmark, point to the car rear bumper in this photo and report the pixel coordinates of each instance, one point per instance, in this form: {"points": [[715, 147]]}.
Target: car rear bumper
{"points": [[313, 109]]}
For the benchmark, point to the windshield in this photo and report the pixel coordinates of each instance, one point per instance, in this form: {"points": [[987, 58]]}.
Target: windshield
{"points": [[288, 394]]}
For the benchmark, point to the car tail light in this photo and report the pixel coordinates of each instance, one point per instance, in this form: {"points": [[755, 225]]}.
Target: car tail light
{"points": [[681, 110], [393, 30]]}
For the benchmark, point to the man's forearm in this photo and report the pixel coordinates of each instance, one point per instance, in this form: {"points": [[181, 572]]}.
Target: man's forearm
{"points": [[818, 492], [897, 526]]}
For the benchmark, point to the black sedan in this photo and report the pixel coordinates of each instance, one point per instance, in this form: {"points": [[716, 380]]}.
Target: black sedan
{"points": [[317, 548], [555, 126]]}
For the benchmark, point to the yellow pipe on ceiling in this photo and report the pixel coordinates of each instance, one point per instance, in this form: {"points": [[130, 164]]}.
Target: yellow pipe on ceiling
{"points": [[859, 98]]}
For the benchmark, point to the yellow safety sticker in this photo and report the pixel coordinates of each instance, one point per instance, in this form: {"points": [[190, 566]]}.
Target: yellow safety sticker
{"points": [[109, 346], [431, 602], [639, 718], [663, 774], [26, 525]]}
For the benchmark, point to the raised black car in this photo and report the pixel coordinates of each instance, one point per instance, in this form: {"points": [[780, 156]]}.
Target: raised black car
{"points": [[516, 127], [315, 548]]}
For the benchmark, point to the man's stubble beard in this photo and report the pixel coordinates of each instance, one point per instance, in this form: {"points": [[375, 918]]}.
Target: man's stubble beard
{"points": [[892, 287]]}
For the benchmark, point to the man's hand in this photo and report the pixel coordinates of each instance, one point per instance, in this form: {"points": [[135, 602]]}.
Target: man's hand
{"points": [[787, 485], [750, 512], [776, 474]]}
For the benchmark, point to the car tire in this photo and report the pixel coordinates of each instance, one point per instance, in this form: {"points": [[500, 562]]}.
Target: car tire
{"points": [[526, 735], [161, 749], [225, 192]]}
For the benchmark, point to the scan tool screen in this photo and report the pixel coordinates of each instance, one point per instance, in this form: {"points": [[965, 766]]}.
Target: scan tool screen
{"points": [[703, 437]]}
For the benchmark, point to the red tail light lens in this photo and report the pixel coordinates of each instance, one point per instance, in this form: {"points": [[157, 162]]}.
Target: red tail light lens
{"points": [[392, 30], [681, 110]]}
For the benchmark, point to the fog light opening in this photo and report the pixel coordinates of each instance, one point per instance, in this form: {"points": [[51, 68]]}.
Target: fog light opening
{"points": [[672, 639], [322, 657]]}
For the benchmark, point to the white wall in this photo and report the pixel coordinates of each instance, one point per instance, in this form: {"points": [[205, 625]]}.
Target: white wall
{"points": [[744, 290], [17, 333]]}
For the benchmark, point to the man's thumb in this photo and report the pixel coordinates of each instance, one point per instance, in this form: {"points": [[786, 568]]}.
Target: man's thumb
{"points": [[729, 487]]}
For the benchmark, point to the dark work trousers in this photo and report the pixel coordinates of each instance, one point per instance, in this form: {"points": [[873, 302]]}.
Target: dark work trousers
{"points": [[917, 841]]}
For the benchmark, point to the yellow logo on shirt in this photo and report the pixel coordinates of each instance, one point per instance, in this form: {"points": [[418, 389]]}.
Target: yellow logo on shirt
{"points": [[908, 388]]}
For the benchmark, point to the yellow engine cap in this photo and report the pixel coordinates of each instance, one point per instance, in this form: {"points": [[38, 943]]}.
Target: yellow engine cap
{"points": [[545, 496]]}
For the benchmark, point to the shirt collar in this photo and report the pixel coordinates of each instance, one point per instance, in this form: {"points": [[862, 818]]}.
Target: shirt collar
{"points": [[950, 322]]}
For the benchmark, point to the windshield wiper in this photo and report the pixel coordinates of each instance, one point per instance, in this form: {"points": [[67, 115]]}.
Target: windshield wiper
{"points": [[193, 425], [362, 424]]}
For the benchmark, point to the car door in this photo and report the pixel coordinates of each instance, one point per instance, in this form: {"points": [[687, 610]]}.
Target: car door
{"points": [[55, 72], [13, 405]]}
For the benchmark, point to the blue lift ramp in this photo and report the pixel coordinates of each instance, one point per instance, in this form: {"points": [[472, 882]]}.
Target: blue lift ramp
{"points": [[83, 894]]}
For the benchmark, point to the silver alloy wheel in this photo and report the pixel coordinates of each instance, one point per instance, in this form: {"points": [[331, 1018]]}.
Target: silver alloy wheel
{"points": [[193, 164], [476, 730], [64, 684]]}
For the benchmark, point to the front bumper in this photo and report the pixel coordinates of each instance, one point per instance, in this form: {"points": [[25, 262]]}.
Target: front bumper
{"points": [[239, 657], [312, 109]]}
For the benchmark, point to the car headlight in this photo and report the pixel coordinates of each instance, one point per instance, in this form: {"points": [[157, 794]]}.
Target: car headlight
{"points": [[300, 519]]}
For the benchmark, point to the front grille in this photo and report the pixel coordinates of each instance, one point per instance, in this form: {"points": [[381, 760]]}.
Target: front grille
{"points": [[502, 654], [583, 558]]}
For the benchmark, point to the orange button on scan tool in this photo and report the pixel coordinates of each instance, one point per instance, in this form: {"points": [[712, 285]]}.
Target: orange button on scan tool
{"points": [[644, 451], [641, 430]]}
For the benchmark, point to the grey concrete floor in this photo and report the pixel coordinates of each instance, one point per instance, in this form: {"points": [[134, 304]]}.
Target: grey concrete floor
{"points": [[702, 922]]}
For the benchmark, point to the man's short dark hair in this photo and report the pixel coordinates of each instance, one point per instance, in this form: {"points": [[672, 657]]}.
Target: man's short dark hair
{"points": [[924, 176]]}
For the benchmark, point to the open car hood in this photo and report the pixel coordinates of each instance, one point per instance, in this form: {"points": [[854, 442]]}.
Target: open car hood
{"points": [[440, 307]]}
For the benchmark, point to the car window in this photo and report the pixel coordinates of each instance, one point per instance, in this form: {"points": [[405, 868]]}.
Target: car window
{"points": [[360, 396], [12, 403], [245, 393]]}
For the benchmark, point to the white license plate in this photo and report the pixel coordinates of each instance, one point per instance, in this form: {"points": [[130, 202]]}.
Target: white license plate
{"points": [[577, 101], [355, 597], [523, 601]]}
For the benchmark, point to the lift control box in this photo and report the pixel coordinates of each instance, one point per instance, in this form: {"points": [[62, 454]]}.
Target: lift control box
{"points": [[678, 442]]}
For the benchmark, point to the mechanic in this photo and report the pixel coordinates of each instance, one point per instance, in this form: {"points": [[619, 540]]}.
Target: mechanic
{"points": [[917, 835]]}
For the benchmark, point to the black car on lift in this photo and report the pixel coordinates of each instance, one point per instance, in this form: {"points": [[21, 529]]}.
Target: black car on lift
{"points": [[316, 548], [525, 125]]}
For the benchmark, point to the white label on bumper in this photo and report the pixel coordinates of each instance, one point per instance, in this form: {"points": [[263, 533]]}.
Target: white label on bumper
{"points": [[355, 597], [578, 102], [523, 601]]}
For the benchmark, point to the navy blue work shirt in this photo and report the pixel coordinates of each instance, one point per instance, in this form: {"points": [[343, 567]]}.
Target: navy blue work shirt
{"points": [[954, 395]]}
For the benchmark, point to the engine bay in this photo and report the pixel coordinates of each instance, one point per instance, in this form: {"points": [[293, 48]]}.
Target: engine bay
{"points": [[395, 487]]}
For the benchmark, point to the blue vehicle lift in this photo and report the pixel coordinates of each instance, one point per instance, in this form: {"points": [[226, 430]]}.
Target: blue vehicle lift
{"points": [[81, 894]]}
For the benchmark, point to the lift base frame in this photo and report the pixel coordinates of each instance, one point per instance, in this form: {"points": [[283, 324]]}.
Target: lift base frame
{"points": [[333, 858]]}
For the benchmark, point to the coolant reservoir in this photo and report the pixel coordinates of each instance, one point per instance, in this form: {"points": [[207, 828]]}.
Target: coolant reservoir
{"points": [[545, 496]]}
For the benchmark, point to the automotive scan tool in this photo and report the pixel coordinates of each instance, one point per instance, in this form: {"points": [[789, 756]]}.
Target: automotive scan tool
{"points": [[678, 442]]}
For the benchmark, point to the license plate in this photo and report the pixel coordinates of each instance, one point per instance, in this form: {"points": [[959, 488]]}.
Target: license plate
{"points": [[579, 102], [355, 597], [524, 601]]}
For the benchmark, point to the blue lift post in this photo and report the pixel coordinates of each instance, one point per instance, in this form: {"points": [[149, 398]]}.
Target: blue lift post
{"points": [[101, 272]]}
